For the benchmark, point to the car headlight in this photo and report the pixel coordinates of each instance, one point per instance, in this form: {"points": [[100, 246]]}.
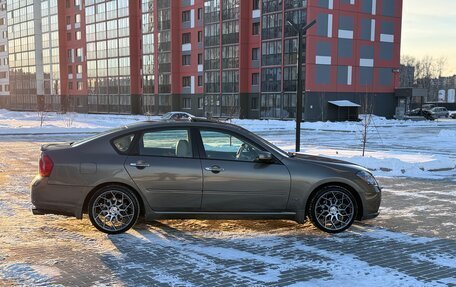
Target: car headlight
{"points": [[367, 177]]}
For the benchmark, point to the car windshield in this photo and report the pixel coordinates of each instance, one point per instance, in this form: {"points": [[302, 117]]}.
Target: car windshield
{"points": [[167, 115], [269, 144], [96, 136]]}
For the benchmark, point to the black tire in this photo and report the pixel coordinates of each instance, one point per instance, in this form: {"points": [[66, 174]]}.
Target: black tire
{"points": [[107, 202], [317, 212]]}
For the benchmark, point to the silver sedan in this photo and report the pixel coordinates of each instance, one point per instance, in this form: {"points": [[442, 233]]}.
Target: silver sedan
{"points": [[198, 169]]}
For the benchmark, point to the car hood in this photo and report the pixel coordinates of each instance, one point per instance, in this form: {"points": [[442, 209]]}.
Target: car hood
{"points": [[326, 161]]}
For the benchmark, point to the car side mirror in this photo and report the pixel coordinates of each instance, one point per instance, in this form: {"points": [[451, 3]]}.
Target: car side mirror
{"points": [[264, 156]]}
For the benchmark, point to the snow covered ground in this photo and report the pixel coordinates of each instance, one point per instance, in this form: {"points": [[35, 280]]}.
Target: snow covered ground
{"points": [[421, 149], [411, 243]]}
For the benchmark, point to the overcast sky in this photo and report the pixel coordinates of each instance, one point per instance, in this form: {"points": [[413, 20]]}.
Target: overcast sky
{"points": [[429, 28]]}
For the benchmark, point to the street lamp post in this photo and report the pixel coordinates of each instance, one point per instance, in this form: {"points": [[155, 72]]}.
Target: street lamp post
{"points": [[301, 32]]}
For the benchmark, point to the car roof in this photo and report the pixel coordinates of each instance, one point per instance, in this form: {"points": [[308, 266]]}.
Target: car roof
{"points": [[197, 122]]}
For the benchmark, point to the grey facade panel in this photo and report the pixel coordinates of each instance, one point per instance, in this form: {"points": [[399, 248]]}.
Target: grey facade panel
{"points": [[342, 75], [323, 74], [366, 76], [386, 76], [345, 48], [323, 49], [322, 24], [366, 28], [386, 51], [346, 22], [185, 3], [388, 8], [323, 3], [387, 28], [366, 6], [366, 52], [186, 25]]}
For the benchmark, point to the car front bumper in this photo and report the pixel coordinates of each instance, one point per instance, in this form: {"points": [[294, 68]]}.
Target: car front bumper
{"points": [[57, 199]]}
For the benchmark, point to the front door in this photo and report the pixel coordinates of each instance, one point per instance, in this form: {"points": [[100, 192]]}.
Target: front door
{"points": [[166, 170], [235, 181]]}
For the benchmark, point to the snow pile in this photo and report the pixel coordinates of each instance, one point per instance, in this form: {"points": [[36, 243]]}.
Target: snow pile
{"points": [[392, 163], [35, 123]]}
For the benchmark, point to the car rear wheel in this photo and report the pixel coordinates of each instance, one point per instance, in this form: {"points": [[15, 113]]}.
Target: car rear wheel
{"points": [[113, 209], [332, 209]]}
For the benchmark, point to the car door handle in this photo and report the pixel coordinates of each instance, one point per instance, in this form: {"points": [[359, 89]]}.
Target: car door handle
{"points": [[140, 164], [214, 169]]}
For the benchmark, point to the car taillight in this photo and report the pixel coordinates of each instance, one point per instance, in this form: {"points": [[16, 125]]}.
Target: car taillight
{"points": [[46, 165]]}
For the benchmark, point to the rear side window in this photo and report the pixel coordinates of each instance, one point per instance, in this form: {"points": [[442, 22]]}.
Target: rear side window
{"points": [[167, 143], [122, 144]]}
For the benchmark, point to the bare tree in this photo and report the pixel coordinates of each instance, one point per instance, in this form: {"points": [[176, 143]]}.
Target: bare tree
{"points": [[427, 72], [366, 121]]}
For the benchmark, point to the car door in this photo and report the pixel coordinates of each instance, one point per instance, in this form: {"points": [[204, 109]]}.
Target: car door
{"points": [[167, 170], [232, 178]]}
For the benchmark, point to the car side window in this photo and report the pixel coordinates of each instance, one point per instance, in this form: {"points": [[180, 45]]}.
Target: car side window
{"points": [[167, 143], [122, 144], [224, 146]]}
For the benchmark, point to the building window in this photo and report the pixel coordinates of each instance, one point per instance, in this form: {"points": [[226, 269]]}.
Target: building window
{"points": [[230, 57], [70, 85], [78, 35], [272, 25], [254, 103], [185, 60], [79, 56], [256, 4], [271, 80], [68, 36], [70, 70], [77, 4], [200, 13], [68, 20], [186, 82], [200, 59], [200, 36], [200, 81], [68, 3], [255, 79], [70, 55], [255, 54], [187, 103], [186, 16], [272, 53], [7, 88], [79, 69], [200, 103], [256, 28], [77, 18], [186, 38]]}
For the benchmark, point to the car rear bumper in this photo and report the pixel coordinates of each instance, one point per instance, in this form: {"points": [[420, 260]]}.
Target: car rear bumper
{"points": [[57, 199]]}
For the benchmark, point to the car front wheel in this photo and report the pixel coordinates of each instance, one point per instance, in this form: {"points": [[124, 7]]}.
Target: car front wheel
{"points": [[113, 209], [332, 209]]}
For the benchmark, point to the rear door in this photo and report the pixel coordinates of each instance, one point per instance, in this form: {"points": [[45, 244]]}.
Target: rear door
{"points": [[235, 181], [167, 169]]}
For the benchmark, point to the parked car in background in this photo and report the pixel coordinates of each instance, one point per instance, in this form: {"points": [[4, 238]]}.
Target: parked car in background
{"points": [[453, 115], [177, 116], [197, 169], [439, 112], [419, 112]]}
